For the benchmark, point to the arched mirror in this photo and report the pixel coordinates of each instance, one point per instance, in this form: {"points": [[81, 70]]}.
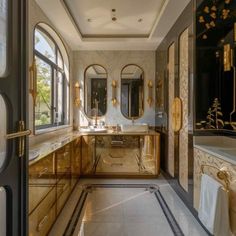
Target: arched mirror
{"points": [[95, 91], [132, 91]]}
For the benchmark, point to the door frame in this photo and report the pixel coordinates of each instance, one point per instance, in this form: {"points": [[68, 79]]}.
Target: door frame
{"points": [[14, 91], [24, 111]]}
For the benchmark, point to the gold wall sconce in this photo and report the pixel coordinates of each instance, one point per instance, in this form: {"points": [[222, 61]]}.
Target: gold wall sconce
{"points": [[114, 96], [227, 57], [177, 114], [33, 81], [77, 94], [150, 97]]}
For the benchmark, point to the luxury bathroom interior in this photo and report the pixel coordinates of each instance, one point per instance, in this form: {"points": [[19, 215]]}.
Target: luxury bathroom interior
{"points": [[117, 118]]}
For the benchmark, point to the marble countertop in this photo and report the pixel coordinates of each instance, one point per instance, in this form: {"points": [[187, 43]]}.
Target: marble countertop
{"points": [[41, 150], [219, 146]]}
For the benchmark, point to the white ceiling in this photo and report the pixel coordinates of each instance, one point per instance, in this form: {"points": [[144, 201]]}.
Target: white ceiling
{"points": [[128, 13], [70, 17]]}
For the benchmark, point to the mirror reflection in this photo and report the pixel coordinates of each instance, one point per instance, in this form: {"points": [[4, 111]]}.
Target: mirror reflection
{"points": [[95, 94], [132, 87]]}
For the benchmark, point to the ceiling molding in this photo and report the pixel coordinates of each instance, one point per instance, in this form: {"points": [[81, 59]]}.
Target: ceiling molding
{"points": [[59, 14], [107, 36]]}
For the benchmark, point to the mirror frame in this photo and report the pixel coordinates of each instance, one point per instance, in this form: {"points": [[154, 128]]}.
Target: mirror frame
{"points": [[143, 92], [95, 64]]}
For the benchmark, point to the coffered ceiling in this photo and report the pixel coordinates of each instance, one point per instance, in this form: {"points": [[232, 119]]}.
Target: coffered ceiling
{"points": [[113, 24]]}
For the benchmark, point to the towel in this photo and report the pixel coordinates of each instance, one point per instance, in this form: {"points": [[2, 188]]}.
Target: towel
{"points": [[214, 207]]}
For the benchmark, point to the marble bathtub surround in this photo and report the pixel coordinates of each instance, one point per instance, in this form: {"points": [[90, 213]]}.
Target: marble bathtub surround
{"points": [[202, 156], [221, 146]]}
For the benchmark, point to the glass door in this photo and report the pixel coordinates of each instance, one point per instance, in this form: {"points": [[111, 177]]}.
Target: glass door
{"points": [[13, 165]]}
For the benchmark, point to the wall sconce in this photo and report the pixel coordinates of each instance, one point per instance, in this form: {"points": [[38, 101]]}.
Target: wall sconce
{"points": [[150, 98], [227, 57], [114, 98], [33, 81], [77, 94]]}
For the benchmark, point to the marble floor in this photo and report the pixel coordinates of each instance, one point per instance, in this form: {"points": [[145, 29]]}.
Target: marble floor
{"points": [[125, 207]]}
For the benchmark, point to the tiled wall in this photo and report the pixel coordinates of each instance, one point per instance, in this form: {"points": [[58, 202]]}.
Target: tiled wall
{"points": [[113, 62]]}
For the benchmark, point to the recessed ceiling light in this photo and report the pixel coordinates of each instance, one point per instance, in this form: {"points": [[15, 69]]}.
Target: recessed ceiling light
{"points": [[140, 20], [113, 10]]}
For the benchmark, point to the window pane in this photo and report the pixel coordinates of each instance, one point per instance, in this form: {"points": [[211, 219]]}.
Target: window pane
{"points": [[45, 45], [59, 98], [44, 89], [3, 36]]}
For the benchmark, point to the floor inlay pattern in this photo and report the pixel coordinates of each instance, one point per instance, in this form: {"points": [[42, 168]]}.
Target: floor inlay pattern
{"points": [[102, 207]]}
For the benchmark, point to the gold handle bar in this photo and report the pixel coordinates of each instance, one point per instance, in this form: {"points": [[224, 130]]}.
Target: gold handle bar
{"points": [[18, 134], [221, 174]]}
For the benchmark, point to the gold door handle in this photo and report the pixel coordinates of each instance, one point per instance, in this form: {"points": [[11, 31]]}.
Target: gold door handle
{"points": [[177, 114], [18, 134], [21, 136]]}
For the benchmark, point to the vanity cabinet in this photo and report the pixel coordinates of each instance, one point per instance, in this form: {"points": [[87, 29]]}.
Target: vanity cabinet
{"points": [[42, 179], [76, 161], [51, 180], [88, 154], [121, 155], [42, 218], [63, 166], [42, 195]]}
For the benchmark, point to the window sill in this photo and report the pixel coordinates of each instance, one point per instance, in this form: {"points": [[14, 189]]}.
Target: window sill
{"points": [[51, 129]]}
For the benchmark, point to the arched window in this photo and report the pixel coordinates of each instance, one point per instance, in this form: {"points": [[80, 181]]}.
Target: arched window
{"points": [[52, 102]]}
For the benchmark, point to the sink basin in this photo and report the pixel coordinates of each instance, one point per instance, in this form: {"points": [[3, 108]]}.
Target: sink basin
{"points": [[93, 130], [134, 128]]}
